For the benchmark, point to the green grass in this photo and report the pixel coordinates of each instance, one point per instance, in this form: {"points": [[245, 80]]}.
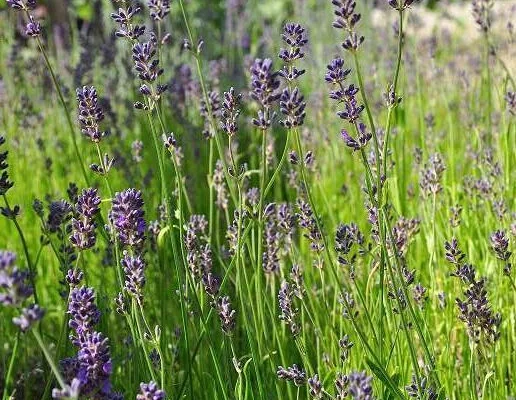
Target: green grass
{"points": [[473, 132]]}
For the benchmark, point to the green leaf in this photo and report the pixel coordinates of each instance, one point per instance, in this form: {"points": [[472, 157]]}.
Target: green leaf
{"points": [[388, 381]]}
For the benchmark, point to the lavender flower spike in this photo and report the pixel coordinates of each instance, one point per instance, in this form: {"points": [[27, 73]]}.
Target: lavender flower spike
{"points": [[29, 317], [87, 207], [90, 113], [150, 391], [14, 282], [127, 217]]}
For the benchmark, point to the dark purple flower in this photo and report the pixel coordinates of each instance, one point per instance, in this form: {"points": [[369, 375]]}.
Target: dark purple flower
{"points": [[361, 141], [83, 234], [14, 282], [126, 28], [84, 314], [227, 314], [292, 105], [294, 35], [5, 184], [307, 221], [287, 308], [345, 346], [59, 213], [360, 387], [150, 391], [316, 388], [219, 184], [346, 19], [294, 374], [198, 255], [264, 86], [431, 175], [421, 389], [90, 114], [134, 269], [400, 4], [483, 325], [127, 217], [95, 365], [500, 245], [146, 66], [336, 73], [22, 4], [230, 112], [341, 385], [211, 284], [74, 277], [88, 203], [29, 316], [482, 13], [510, 99], [159, 9], [33, 27]]}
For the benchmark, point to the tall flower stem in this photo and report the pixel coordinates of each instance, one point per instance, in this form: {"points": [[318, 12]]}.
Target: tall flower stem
{"points": [[279, 167], [49, 359], [32, 270], [211, 119], [10, 369], [65, 109]]}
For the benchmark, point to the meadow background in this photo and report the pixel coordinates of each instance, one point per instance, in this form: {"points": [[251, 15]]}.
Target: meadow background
{"points": [[369, 263]]}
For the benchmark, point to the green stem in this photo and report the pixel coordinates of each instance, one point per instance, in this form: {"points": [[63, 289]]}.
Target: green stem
{"points": [[11, 367], [32, 270], [65, 108], [49, 359]]}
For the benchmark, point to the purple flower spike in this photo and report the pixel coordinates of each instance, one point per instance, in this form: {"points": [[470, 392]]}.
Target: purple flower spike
{"points": [[95, 364], [127, 217], [90, 113], [14, 282], [29, 317], [83, 312], [150, 391], [134, 275], [360, 387]]}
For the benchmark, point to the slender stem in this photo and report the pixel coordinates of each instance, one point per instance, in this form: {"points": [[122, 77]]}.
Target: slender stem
{"points": [[279, 166], [49, 359], [11, 366], [211, 119], [142, 340], [32, 270], [65, 108]]}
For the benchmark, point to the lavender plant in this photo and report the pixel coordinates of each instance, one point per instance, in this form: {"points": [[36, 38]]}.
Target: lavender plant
{"points": [[253, 226]]}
